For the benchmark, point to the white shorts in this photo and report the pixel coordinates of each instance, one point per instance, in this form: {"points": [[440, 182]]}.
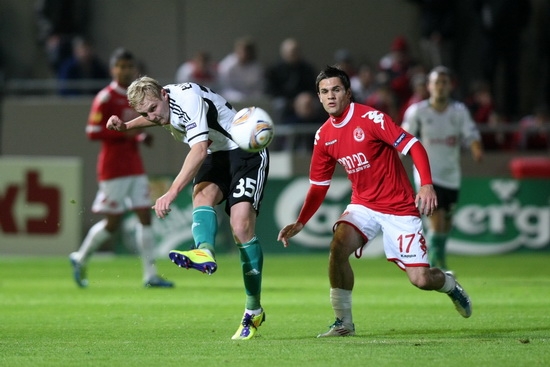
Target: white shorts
{"points": [[403, 237], [120, 195]]}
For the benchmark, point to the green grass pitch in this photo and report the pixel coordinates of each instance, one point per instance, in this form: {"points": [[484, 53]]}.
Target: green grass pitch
{"points": [[45, 320]]}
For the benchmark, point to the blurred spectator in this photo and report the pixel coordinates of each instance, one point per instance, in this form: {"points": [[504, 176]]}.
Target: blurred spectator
{"points": [[200, 69], [502, 23], [534, 130], [288, 77], [496, 132], [363, 83], [420, 93], [83, 66], [344, 61], [241, 75], [306, 108], [437, 31], [383, 98], [399, 67], [58, 22], [480, 103]]}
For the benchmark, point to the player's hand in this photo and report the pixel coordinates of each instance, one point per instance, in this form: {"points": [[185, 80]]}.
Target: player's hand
{"points": [[162, 206], [477, 151], [115, 123], [288, 231], [426, 200]]}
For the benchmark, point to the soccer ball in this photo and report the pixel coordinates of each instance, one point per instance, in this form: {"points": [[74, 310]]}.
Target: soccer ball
{"points": [[252, 129]]}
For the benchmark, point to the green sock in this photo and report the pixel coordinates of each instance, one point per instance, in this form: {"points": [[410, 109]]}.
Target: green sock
{"points": [[252, 260], [205, 227], [437, 253]]}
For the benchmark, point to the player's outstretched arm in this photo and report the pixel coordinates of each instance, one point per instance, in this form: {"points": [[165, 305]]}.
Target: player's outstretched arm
{"points": [[191, 165], [115, 123], [314, 199]]}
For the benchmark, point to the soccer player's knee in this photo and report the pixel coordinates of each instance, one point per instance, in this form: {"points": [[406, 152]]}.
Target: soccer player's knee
{"points": [[242, 231], [340, 249]]}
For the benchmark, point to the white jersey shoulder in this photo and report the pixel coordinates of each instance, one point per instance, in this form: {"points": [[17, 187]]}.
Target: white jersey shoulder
{"points": [[199, 114]]}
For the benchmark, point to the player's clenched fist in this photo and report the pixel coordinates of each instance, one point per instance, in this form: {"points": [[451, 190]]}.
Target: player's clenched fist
{"points": [[115, 123]]}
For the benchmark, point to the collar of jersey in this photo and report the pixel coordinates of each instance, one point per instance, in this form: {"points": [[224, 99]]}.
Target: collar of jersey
{"points": [[342, 120]]}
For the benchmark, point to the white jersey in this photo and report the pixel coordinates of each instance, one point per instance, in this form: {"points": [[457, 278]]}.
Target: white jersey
{"points": [[198, 114], [442, 134]]}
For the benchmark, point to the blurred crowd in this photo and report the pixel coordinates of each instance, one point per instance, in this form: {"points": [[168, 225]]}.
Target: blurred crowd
{"points": [[390, 84]]}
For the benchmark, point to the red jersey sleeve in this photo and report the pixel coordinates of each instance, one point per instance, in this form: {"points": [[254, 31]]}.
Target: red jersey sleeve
{"points": [[314, 198], [422, 163]]}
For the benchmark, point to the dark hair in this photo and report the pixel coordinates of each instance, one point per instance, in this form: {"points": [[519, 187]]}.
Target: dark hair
{"points": [[443, 70], [333, 72], [120, 54]]}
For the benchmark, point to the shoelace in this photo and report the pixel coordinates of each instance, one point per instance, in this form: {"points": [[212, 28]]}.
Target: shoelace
{"points": [[247, 320], [337, 323]]}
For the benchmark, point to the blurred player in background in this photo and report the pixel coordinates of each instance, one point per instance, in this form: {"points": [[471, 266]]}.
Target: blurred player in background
{"points": [[365, 142], [442, 125], [219, 170], [123, 184]]}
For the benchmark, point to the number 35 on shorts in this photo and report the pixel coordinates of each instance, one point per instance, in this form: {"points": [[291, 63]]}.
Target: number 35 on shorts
{"points": [[245, 187]]}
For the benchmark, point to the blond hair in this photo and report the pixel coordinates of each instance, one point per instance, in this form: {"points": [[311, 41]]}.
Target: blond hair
{"points": [[141, 88]]}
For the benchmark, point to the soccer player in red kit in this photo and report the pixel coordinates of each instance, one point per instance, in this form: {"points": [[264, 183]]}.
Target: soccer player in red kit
{"points": [[366, 142], [123, 184]]}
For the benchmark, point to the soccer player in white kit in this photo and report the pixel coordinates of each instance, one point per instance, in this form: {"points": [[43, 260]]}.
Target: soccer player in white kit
{"points": [[443, 126], [219, 170], [366, 143]]}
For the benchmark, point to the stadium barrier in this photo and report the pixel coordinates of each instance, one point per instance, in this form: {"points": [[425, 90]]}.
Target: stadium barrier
{"points": [[38, 199], [493, 216], [41, 216]]}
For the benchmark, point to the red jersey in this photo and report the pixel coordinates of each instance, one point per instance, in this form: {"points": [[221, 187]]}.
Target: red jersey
{"points": [[119, 155], [366, 142]]}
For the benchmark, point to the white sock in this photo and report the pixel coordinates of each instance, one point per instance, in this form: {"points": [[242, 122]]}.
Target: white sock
{"points": [[341, 304], [97, 235], [146, 247], [253, 312], [449, 284]]}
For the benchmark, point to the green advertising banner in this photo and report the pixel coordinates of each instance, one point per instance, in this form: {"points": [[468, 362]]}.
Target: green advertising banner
{"points": [[498, 215], [494, 215]]}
